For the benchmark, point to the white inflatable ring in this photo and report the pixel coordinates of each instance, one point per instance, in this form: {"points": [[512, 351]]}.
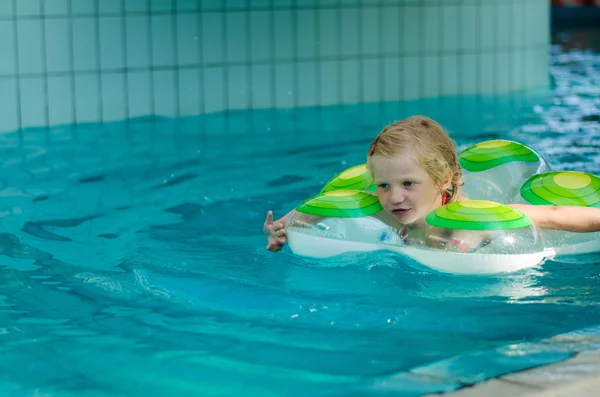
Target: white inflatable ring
{"points": [[478, 236]]}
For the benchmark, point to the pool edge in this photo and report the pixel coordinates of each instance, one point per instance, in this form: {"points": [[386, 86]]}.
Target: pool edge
{"points": [[577, 376]]}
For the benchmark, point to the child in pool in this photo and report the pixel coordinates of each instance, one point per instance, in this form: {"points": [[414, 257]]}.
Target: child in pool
{"points": [[416, 170]]}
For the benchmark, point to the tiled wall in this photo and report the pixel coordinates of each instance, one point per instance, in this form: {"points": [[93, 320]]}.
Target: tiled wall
{"points": [[66, 61]]}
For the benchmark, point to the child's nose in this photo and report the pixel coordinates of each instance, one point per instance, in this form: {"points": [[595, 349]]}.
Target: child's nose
{"points": [[397, 196]]}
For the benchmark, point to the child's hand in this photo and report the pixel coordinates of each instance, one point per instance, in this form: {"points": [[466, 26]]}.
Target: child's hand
{"points": [[275, 233]]}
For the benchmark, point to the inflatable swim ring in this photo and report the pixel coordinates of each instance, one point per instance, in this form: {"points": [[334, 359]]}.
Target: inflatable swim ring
{"points": [[478, 236]]}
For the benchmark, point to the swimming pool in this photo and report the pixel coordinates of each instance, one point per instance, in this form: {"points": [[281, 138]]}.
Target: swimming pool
{"points": [[133, 261]]}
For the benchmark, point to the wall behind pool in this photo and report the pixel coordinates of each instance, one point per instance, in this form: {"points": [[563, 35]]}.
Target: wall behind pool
{"points": [[79, 61]]}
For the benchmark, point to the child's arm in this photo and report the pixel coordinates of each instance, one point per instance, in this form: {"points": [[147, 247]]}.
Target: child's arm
{"points": [[275, 231], [568, 218]]}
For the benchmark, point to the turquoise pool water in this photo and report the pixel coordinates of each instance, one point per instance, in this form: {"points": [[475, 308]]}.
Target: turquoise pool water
{"points": [[133, 264]]}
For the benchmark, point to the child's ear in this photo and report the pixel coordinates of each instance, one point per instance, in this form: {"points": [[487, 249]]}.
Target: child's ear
{"points": [[447, 182]]}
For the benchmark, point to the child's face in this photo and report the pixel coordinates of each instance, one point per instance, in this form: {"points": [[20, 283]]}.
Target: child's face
{"points": [[405, 190]]}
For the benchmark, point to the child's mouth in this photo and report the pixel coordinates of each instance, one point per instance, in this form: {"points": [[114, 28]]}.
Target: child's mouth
{"points": [[400, 211]]}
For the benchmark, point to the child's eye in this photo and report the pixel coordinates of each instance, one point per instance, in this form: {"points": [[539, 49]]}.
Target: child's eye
{"points": [[408, 184], [383, 185]]}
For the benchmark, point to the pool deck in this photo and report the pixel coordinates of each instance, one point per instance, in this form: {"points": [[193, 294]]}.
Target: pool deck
{"points": [[576, 377]]}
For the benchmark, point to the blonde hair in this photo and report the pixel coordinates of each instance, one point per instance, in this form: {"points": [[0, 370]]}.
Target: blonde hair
{"points": [[434, 149]]}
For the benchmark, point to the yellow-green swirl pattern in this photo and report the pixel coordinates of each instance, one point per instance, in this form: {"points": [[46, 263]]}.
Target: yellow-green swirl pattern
{"points": [[355, 178], [563, 188], [477, 215], [490, 154], [341, 204]]}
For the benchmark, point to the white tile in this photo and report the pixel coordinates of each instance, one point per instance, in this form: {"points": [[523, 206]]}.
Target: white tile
{"points": [[60, 100], [450, 27], [281, 3], [236, 4], [85, 44], [392, 70], [329, 88], [284, 35], [517, 69], [262, 83], [138, 41], [29, 7], [58, 55], [502, 71], [349, 32], [504, 24], [518, 23], [6, 9], [113, 98], [487, 73], [450, 76], [109, 6], [140, 94], [163, 35], [213, 5], [87, 98], [111, 42], [536, 68], [468, 66], [306, 40], [310, 4], [53, 7], [214, 88], [468, 34], [431, 84], [30, 46], [188, 5], [260, 4], [487, 27], [260, 36], [371, 81], [84, 6], [33, 102], [391, 42], [531, 25], [164, 93], [342, 3], [369, 31], [238, 84], [189, 92], [411, 77], [237, 37], [212, 38], [536, 30], [430, 29], [411, 43], [545, 18], [7, 47], [9, 120], [161, 5], [284, 85], [135, 6], [350, 78], [188, 39], [307, 84]]}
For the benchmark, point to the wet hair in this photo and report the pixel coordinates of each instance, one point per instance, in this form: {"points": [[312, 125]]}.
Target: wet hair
{"points": [[434, 149]]}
